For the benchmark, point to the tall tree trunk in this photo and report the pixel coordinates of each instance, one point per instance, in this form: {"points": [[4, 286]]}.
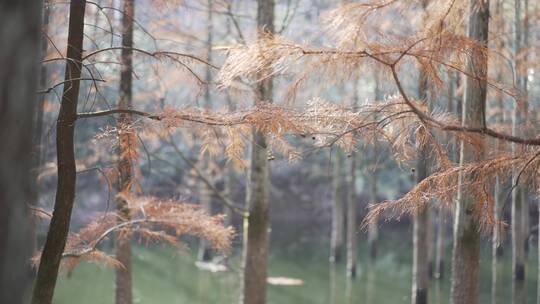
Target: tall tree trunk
{"points": [[65, 191], [127, 143], [38, 128], [421, 220], [338, 209], [441, 225], [527, 128], [352, 237], [519, 292], [256, 246], [373, 226], [19, 59], [420, 242], [351, 219], [205, 197], [497, 237], [466, 247], [440, 246], [451, 107]]}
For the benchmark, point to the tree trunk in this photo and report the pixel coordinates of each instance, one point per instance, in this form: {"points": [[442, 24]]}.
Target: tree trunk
{"points": [[65, 191], [421, 220], [124, 288], [38, 127], [519, 292], [466, 247], [351, 219], [19, 59], [420, 242], [497, 237], [205, 197], [440, 244], [373, 226], [338, 208], [256, 246]]}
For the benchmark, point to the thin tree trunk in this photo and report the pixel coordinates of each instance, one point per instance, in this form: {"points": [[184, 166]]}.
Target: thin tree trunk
{"points": [[351, 219], [421, 220], [229, 178], [440, 242], [65, 191], [497, 237], [38, 128], [338, 208], [441, 225], [420, 242], [19, 59], [205, 253], [352, 237], [519, 292], [373, 226], [124, 288], [526, 128], [256, 246], [466, 247], [431, 242]]}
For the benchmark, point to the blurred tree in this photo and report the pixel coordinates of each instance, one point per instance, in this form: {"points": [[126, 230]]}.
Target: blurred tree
{"points": [[466, 251], [19, 57], [337, 234], [127, 143], [205, 194], [256, 231]]}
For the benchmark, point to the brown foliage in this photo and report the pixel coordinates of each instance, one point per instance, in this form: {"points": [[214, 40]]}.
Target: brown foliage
{"points": [[152, 221]]}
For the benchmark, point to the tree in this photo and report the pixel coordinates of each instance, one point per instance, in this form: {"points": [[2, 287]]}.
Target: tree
{"points": [[19, 57], [422, 218], [373, 226], [497, 247], [466, 250], [351, 218], [338, 209], [65, 192], [256, 239], [37, 138], [520, 210], [204, 191], [127, 156]]}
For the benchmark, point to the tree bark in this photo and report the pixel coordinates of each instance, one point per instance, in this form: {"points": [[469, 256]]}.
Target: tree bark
{"points": [[205, 253], [422, 219], [497, 237], [420, 242], [258, 222], [466, 247], [38, 127], [338, 210], [19, 59], [373, 226], [519, 209], [59, 226], [351, 219], [123, 280], [65, 191]]}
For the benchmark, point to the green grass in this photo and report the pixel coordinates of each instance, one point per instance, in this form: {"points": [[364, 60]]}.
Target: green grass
{"points": [[164, 276]]}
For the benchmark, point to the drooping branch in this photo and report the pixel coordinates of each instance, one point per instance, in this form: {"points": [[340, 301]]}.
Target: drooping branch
{"points": [[118, 111], [156, 54]]}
